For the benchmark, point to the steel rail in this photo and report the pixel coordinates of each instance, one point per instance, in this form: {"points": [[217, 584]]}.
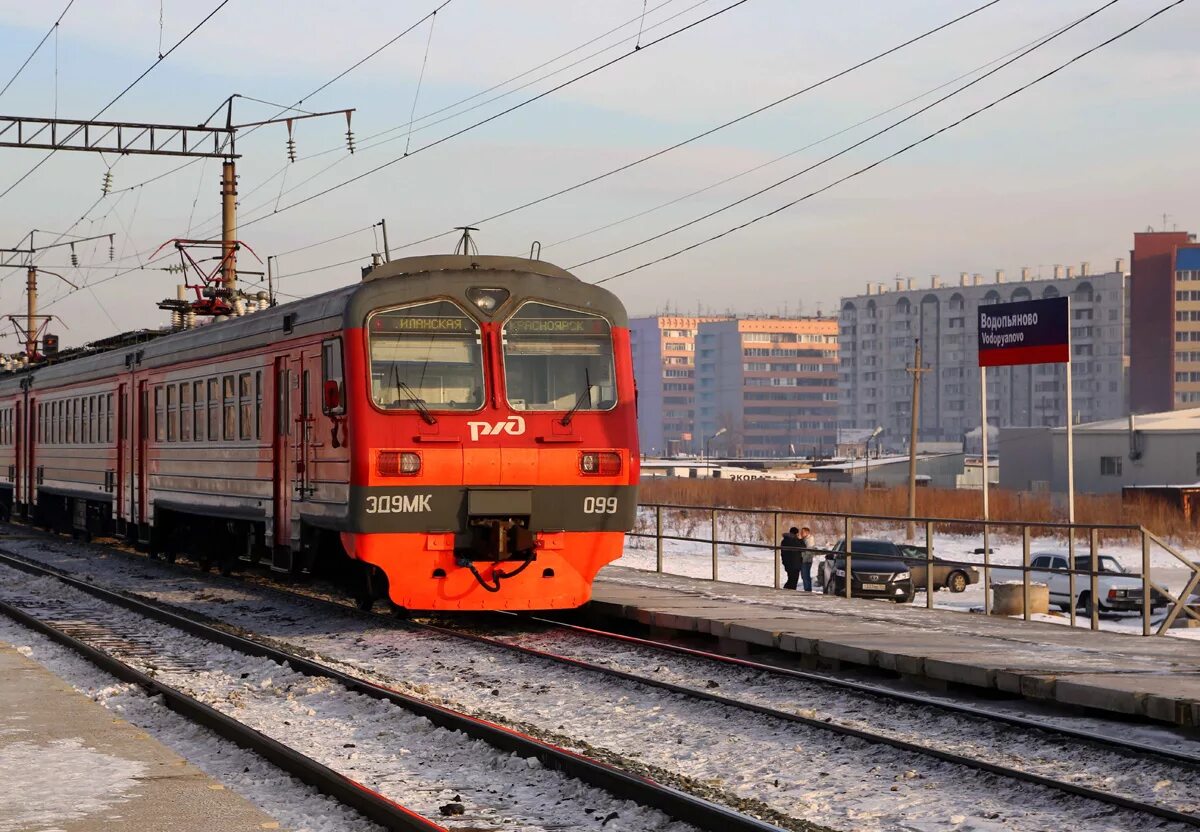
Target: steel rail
{"points": [[1128, 746], [843, 730], [371, 804], [642, 790]]}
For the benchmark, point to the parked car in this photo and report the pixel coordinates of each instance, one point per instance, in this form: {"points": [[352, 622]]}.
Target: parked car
{"points": [[872, 575], [1116, 591], [945, 575], [952, 576]]}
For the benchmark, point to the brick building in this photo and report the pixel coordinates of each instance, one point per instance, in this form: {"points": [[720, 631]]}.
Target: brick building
{"points": [[1165, 319]]}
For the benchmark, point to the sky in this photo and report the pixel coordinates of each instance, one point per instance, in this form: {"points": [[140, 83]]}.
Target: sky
{"points": [[1062, 172]]}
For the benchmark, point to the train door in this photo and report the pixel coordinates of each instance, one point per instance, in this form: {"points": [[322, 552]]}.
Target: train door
{"points": [[22, 488], [122, 445], [282, 467], [140, 487]]}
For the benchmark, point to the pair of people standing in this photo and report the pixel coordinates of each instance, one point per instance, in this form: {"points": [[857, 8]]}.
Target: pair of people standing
{"points": [[796, 551]]}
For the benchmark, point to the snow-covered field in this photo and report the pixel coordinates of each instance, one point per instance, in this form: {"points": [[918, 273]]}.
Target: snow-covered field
{"points": [[724, 753], [740, 560]]}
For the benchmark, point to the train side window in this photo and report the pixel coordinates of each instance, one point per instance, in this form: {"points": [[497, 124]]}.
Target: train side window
{"points": [[245, 406], [185, 411], [282, 404], [214, 410], [73, 423], [198, 411], [230, 404], [101, 418], [160, 419], [108, 417], [172, 413], [91, 420], [333, 394]]}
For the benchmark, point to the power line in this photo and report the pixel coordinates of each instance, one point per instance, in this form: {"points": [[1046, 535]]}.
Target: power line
{"points": [[123, 92], [506, 111], [712, 130], [790, 154], [1021, 54], [366, 144], [899, 152], [45, 37]]}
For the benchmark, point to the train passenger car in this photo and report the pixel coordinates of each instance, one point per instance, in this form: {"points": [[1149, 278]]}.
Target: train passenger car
{"points": [[460, 431]]}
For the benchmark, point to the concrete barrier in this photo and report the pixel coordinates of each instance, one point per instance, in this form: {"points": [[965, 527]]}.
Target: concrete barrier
{"points": [[1008, 598]]}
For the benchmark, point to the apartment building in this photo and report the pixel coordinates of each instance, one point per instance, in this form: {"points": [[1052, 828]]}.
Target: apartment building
{"points": [[1165, 317], [664, 366], [767, 386], [877, 330]]}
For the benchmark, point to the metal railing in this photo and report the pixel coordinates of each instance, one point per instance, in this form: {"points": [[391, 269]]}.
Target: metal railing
{"points": [[1152, 594]]}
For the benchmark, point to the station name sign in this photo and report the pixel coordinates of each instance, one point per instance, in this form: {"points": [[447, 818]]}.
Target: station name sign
{"points": [[1026, 332]]}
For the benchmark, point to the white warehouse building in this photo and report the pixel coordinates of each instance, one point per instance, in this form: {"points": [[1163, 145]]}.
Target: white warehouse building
{"points": [[876, 332]]}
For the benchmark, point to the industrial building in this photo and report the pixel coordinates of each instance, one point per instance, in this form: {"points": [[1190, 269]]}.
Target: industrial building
{"points": [[767, 387], [1157, 449], [877, 331]]}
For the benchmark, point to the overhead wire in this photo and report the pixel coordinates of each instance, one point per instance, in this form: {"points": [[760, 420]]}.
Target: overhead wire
{"points": [[123, 92], [504, 112], [906, 148], [52, 30], [710, 131], [778, 183], [816, 142]]}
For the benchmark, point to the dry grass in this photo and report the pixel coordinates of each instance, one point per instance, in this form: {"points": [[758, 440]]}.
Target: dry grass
{"points": [[818, 506]]}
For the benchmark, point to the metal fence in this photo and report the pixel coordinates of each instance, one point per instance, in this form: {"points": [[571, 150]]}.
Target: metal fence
{"points": [[1079, 537]]}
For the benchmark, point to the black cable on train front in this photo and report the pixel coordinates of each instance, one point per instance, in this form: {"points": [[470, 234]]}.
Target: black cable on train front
{"points": [[499, 576]]}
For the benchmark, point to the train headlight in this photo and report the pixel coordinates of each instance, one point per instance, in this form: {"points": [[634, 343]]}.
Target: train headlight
{"points": [[487, 300], [599, 463], [398, 463]]}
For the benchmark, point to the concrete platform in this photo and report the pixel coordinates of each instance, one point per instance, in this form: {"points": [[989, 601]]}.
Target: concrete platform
{"points": [[67, 764], [1153, 677]]}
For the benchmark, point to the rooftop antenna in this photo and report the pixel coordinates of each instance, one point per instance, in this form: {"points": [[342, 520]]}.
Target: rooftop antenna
{"points": [[465, 244]]}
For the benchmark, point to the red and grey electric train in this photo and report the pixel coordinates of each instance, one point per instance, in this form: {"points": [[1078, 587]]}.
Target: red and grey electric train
{"points": [[460, 431]]}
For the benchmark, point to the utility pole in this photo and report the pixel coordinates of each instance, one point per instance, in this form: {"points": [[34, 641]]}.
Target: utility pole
{"points": [[229, 242], [917, 370], [29, 332]]}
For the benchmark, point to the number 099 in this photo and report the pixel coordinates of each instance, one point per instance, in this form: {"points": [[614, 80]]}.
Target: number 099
{"points": [[599, 505]]}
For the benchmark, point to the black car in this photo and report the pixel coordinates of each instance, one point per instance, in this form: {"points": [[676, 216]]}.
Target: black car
{"points": [[872, 575]]}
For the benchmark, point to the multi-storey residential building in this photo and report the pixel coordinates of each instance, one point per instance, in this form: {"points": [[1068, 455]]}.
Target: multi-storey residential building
{"points": [[769, 383], [877, 333], [1165, 318], [664, 366]]}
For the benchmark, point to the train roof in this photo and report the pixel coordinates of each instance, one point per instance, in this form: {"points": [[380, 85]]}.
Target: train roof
{"points": [[392, 283]]}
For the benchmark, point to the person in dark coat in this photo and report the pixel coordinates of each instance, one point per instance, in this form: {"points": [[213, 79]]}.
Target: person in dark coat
{"points": [[791, 553]]}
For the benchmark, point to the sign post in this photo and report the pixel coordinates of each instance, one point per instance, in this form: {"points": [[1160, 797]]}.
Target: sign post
{"points": [[1026, 332]]}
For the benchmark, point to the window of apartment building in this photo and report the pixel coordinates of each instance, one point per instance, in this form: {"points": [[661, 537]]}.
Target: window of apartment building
{"points": [[1082, 349], [955, 323], [1190, 315], [1110, 466]]}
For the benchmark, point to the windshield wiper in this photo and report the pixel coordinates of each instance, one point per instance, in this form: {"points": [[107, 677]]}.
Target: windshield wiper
{"points": [[580, 399], [417, 402]]}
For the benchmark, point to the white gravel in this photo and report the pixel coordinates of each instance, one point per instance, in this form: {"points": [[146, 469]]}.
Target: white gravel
{"points": [[378, 744], [798, 771], [295, 805]]}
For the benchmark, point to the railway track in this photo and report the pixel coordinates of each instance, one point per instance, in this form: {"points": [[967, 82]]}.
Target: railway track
{"points": [[151, 646], [1089, 785]]}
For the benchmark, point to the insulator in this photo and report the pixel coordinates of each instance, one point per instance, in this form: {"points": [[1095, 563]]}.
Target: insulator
{"points": [[350, 140], [112, 251], [106, 186], [74, 257], [291, 149]]}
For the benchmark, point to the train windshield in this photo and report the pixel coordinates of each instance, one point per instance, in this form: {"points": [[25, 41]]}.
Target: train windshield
{"points": [[425, 357], [558, 359]]}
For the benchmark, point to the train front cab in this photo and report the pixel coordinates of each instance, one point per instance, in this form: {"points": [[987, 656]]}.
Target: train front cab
{"points": [[494, 455]]}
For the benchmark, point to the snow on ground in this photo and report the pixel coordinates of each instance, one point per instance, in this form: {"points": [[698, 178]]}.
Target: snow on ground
{"points": [[86, 782], [739, 561], [740, 757], [378, 744], [296, 806]]}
